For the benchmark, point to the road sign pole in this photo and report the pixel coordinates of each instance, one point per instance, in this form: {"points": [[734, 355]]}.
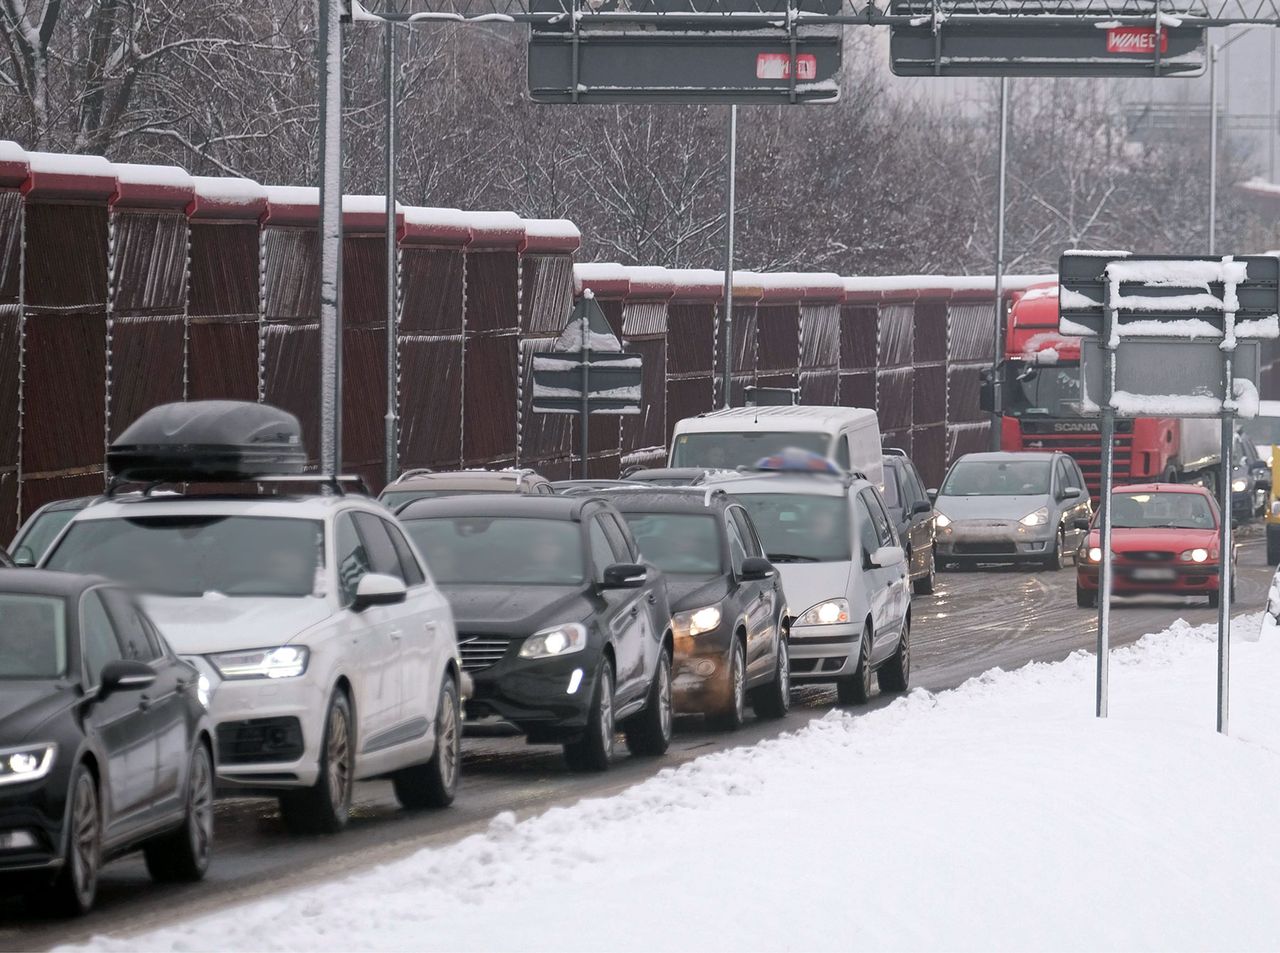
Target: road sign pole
{"points": [[1213, 145], [584, 417], [1224, 543], [1104, 500], [393, 271], [727, 321], [329, 67], [998, 347]]}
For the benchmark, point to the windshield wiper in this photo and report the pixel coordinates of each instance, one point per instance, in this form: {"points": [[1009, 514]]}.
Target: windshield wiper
{"points": [[792, 558]]}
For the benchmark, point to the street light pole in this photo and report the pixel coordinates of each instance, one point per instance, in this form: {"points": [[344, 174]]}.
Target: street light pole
{"points": [[393, 272], [329, 67], [998, 345], [1213, 146], [730, 198]]}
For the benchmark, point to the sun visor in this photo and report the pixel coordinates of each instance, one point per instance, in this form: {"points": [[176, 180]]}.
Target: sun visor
{"points": [[208, 441]]}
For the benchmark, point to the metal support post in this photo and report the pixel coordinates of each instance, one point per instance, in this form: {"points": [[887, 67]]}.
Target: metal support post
{"points": [[1104, 500], [584, 415], [998, 346], [393, 271], [730, 200], [329, 67], [1271, 115], [1224, 542], [1213, 145]]}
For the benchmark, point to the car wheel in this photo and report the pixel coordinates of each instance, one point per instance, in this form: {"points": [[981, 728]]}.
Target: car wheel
{"points": [[855, 689], [649, 733], [924, 585], [594, 750], [1055, 560], [435, 783], [1086, 598], [1215, 600], [325, 807], [774, 699], [183, 855], [895, 674], [731, 718], [76, 886]]}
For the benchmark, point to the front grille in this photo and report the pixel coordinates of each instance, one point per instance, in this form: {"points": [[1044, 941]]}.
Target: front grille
{"points": [[480, 652], [258, 740], [986, 549], [1147, 556]]}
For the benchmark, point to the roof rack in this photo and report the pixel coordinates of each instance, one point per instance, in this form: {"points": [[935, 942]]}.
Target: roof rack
{"points": [[416, 471], [893, 451]]}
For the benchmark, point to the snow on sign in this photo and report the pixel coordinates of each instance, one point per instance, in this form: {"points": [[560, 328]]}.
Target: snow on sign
{"points": [[587, 358]]}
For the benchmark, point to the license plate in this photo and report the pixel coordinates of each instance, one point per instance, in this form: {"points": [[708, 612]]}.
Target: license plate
{"points": [[1154, 575]]}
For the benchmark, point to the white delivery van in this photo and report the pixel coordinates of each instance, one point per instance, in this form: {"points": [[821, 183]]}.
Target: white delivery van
{"points": [[741, 436]]}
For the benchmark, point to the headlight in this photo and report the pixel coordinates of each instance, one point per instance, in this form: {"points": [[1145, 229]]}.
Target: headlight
{"points": [[1239, 486], [1038, 518], [560, 640], [697, 621], [943, 521], [28, 763], [1195, 556], [202, 690], [831, 612], [287, 661], [1095, 554]]}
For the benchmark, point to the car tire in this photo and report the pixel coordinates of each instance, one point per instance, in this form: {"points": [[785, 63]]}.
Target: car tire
{"points": [[649, 733], [895, 674], [594, 750], [1056, 560], [924, 585], [774, 699], [435, 783], [73, 892], [325, 807], [733, 717], [1215, 600], [855, 689], [182, 856], [1086, 598]]}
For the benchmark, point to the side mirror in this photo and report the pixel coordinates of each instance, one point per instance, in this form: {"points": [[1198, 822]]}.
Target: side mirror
{"points": [[921, 506], [932, 495], [624, 576], [378, 589], [1080, 524], [24, 557], [888, 556], [755, 569], [1070, 493], [125, 675]]}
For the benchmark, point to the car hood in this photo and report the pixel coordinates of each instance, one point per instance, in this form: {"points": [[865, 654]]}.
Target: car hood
{"points": [[25, 706], [1170, 540], [1009, 508], [514, 610], [694, 592], [807, 584], [200, 625]]}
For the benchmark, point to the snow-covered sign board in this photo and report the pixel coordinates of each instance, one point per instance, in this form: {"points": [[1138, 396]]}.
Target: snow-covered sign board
{"points": [[587, 357], [629, 66], [1157, 313], [1009, 46]]}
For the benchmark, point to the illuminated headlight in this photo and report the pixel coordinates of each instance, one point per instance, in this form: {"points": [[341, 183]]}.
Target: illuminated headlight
{"points": [[697, 621], [287, 661], [943, 521], [202, 690], [28, 763], [1095, 554], [831, 612], [1038, 518], [1195, 556], [560, 640], [1239, 486]]}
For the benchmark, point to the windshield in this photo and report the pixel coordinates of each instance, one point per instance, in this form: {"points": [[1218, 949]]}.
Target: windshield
{"points": [[677, 542], [192, 555], [38, 534], [33, 636], [481, 550], [1049, 391], [724, 451], [801, 528], [1161, 511], [997, 478], [1264, 431]]}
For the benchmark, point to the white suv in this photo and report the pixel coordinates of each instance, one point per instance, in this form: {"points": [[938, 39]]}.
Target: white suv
{"points": [[844, 573], [326, 652]]}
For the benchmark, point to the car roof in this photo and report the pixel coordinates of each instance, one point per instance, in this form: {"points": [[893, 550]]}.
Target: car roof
{"points": [[667, 499], [1162, 488], [1006, 456], [666, 473], [532, 507], [464, 479], [46, 582], [786, 417], [818, 484], [289, 507]]}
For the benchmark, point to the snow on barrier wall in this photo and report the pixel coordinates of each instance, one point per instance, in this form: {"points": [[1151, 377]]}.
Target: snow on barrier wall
{"points": [[125, 286]]}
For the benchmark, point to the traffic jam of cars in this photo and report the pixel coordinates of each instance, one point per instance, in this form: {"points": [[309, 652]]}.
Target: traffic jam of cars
{"points": [[220, 623]]}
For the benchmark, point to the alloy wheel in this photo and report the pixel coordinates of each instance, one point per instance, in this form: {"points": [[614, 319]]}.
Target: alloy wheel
{"points": [[339, 757], [739, 683], [201, 810], [664, 697], [84, 840], [606, 715], [449, 740]]}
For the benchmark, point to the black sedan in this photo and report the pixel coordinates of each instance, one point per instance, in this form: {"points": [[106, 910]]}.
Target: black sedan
{"points": [[563, 630], [104, 742], [728, 608], [908, 504]]}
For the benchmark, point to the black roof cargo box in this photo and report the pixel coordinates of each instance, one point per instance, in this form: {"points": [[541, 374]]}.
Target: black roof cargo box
{"points": [[208, 441]]}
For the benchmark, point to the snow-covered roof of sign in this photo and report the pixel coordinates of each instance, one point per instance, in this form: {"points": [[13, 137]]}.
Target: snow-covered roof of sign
{"points": [[367, 213], [53, 175], [227, 197], [292, 205], [152, 186], [13, 164], [550, 236], [602, 278], [496, 229], [424, 225]]}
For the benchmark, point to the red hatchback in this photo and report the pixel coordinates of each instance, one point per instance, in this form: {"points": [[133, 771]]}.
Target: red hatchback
{"points": [[1164, 537]]}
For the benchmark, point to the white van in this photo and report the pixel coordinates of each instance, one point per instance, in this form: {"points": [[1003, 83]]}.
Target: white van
{"points": [[741, 436]]}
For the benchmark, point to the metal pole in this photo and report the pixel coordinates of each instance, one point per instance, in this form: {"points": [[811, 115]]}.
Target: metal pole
{"points": [[329, 67], [730, 201], [998, 347], [1224, 542], [1104, 500], [393, 271], [1213, 145], [584, 414], [1271, 116]]}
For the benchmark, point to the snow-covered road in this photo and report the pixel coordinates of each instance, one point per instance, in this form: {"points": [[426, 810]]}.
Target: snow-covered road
{"points": [[998, 815]]}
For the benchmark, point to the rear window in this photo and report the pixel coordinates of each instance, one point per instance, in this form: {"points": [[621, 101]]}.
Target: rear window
{"points": [[741, 449], [678, 542], [800, 528], [33, 636], [481, 550]]}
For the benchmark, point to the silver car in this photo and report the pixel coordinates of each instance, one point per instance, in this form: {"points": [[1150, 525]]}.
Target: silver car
{"points": [[1011, 507]]}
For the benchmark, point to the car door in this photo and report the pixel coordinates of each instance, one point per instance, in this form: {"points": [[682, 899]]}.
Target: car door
{"points": [[757, 596], [122, 725], [873, 578], [1081, 508], [891, 580], [369, 653], [655, 611], [165, 697], [620, 617]]}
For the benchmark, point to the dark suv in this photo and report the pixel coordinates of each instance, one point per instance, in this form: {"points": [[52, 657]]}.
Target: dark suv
{"points": [[565, 631], [908, 504]]}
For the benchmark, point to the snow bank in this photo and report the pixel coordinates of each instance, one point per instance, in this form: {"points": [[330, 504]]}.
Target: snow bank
{"points": [[998, 816]]}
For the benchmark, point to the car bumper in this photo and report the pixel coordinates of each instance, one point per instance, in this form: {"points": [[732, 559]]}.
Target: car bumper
{"points": [[1133, 580], [35, 813], [824, 653], [978, 541], [700, 677], [548, 699]]}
